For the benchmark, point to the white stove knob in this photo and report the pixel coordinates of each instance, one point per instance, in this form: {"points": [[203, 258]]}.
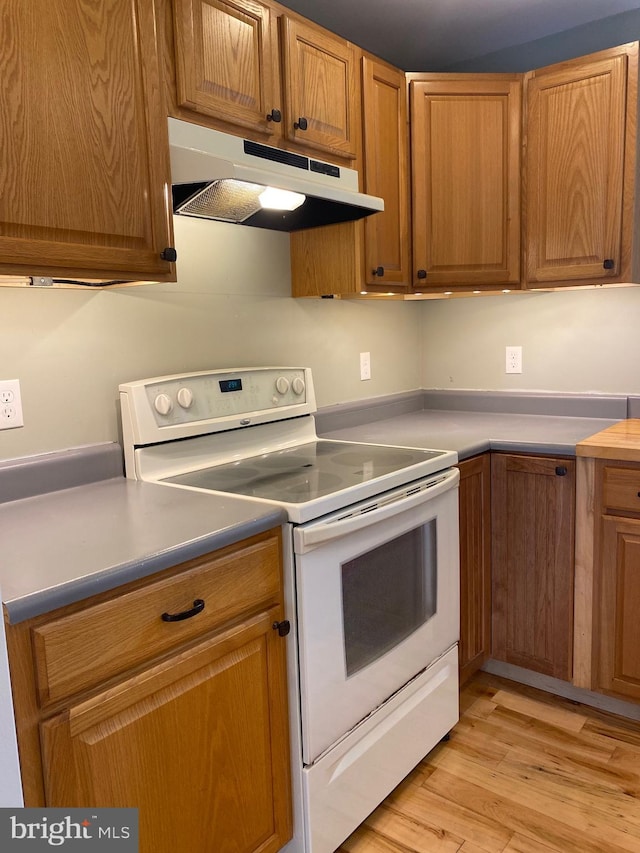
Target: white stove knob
{"points": [[185, 398], [163, 404], [282, 384], [298, 385]]}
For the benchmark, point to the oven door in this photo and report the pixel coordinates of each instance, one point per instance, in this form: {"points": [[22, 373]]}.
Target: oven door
{"points": [[378, 601]]}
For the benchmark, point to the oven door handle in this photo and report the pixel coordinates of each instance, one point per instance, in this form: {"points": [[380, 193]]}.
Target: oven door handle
{"points": [[306, 538]]}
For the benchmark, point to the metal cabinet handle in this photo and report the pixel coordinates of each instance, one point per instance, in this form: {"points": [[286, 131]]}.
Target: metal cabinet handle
{"points": [[422, 273], [561, 470], [282, 628], [378, 271], [169, 254], [198, 607], [301, 124], [608, 263], [274, 115]]}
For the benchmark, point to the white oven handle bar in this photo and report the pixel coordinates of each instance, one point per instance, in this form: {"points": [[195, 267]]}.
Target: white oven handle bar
{"points": [[375, 511]]}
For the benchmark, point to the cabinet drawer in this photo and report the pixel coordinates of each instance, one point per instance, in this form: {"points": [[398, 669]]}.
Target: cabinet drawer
{"points": [[90, 646], [621, 489]]}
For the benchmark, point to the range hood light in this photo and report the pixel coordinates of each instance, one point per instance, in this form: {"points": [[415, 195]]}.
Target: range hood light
{"points": [[275, 199]]}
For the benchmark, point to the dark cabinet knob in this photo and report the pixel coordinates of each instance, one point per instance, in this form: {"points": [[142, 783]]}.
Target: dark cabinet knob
{"points": [[169, 254], [301, 124], [378, 271], [608, 263], [282, 628], [561, 470], [274, 115], [422, 274]]}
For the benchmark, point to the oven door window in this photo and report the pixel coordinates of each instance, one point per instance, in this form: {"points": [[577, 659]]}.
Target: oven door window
{"points": [[387, 593]]}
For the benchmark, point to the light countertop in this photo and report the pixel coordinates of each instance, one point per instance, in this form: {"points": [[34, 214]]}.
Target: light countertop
{"points": [[66, 545]]}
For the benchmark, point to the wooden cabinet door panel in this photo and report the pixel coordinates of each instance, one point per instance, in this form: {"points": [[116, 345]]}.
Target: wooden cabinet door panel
{"points": [[475, 564], [386, 173], [533, 512], [198, 744], [466, 181], [575, 168], [320, 86], [619, 625], [226, 61], [84, 181]]}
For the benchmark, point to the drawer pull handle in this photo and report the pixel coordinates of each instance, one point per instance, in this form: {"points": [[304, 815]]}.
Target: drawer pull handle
{"points": [[198, 607], [561, 470]]}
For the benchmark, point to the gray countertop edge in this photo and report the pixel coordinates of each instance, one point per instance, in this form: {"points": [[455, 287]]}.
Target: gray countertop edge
{"points": [[78, 589]]}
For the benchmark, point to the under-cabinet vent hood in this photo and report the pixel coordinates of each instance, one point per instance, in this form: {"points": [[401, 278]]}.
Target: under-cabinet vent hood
{"points": [[223, 177]]}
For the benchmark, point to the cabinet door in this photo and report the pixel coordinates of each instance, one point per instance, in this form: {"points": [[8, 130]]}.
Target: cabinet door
{"points": [[384, 124], [619, 595], [320, 88], [475, 564], [226, 61], [465, 156], [198, 744], [575, 168], [84, 175], [533, 512]]}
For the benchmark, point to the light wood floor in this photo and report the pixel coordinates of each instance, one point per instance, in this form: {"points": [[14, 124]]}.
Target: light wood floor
{"points": [[524, 772]]}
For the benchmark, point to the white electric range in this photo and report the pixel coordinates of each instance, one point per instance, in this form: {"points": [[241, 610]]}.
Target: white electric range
{"points": [[371, 573]]}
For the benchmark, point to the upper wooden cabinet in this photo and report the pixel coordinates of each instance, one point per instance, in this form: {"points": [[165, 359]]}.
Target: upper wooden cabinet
{"points": [[231, 57], [580, 170], [84, 159], [371, 256], [465, 157], [227, 61], [320, 89], [384, 127]]}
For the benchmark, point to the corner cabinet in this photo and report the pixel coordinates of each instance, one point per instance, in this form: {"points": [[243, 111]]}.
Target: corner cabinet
{"points": [[187, 722], [475, 564], [465, 158], [84, 167], [580, 170], [371, 256], [533, 519]]}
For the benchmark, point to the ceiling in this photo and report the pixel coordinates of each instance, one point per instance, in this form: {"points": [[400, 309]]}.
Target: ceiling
{"points": [[429, 35]]}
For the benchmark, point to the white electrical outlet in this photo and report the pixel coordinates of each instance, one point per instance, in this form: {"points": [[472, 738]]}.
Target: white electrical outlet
{"points": [[365, 365], [513, 360], [10, 404]]}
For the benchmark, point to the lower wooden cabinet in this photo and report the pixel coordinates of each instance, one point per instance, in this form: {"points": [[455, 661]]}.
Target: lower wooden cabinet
{"points": [[619, 598], [196, 738], [475, 564], [533, 518]]}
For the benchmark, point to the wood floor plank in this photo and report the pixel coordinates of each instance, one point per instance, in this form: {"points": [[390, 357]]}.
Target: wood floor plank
{"points": [[411, 833], [542, 805], [521, 844], [556, 716], [454, 817], [515, 817]]}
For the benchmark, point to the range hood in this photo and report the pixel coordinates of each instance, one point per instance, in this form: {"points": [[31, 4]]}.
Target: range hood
{"points": [[223, 177]]}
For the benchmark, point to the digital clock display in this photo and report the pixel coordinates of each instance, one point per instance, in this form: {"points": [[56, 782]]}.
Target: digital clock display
{"points": [[230, 385]]}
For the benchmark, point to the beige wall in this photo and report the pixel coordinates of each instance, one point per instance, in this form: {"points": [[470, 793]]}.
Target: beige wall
{"points": [[586, 340], [231, 307]]}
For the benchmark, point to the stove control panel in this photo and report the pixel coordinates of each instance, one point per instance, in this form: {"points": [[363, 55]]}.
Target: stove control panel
{"points": [[211, 401]]}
